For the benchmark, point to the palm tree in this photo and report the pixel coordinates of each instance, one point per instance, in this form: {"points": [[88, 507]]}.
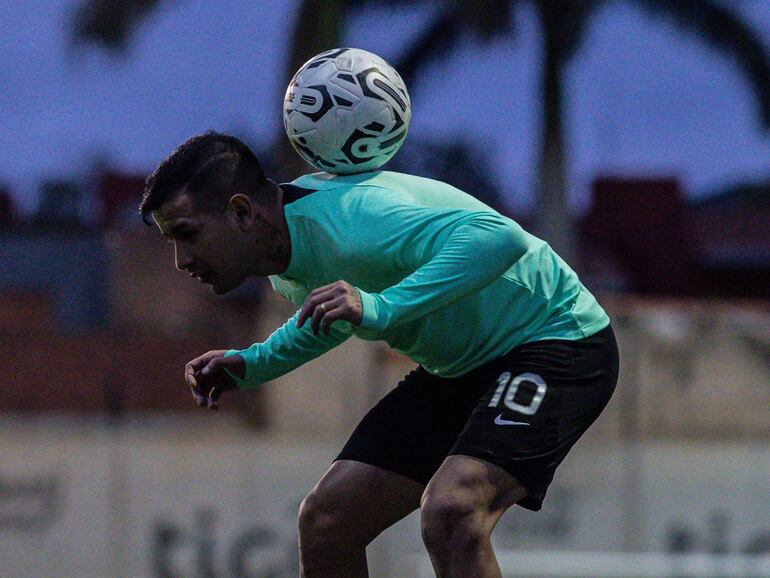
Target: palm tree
{"points": [[110, 22], [320, 26], [563, 25]]}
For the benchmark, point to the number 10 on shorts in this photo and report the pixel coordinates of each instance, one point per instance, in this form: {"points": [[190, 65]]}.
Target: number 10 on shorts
{"points": [[513, 386]]}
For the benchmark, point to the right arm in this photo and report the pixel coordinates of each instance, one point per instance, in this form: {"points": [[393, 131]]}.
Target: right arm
{"points": [[286, 349]]}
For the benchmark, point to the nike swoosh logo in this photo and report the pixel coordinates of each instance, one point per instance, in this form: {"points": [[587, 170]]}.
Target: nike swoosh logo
{"points": [[500, 421]]}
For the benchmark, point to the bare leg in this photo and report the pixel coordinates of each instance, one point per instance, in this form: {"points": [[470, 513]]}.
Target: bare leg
{"points": [[460, 508], [348, 508]]}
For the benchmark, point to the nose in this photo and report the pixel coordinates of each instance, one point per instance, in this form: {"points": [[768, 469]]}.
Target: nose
{"points": [[182, 258]]}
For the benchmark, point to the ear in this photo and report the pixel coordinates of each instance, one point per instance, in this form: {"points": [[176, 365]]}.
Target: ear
{"points": [[243, 210]]}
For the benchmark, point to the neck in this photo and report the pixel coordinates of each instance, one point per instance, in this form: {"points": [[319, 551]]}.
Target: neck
{"points": [[269, 250], [283, 241]]}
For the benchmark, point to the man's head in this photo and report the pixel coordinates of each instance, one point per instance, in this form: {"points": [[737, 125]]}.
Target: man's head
{"points": [[211, 198]]}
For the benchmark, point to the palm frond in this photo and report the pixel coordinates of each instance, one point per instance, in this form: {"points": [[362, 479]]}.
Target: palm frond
{"points": [[487, 18], [109, 22], [436, 41], [725, 31]]}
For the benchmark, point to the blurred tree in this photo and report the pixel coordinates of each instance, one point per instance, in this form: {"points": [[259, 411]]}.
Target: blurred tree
{"points": [[320, 26], [458, 162], [110, 22], [61, 203], [563, 25], [7, 209]]}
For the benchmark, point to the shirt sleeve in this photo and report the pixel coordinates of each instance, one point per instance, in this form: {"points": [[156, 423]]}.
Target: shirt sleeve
{"points": [[287, 348], [478, 249]]}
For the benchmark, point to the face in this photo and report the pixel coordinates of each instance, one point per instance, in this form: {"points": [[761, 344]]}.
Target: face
{"points": [[221, 250]]}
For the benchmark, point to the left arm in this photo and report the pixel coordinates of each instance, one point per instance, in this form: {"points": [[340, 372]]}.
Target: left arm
{"points": [[480, 248]]}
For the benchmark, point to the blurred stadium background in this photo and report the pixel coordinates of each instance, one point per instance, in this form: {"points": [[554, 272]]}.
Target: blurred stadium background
{"points": [[633, 135]]}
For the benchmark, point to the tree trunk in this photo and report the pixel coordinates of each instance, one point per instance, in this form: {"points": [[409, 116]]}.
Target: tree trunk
{"points": [[319, 27], [553, 221]]}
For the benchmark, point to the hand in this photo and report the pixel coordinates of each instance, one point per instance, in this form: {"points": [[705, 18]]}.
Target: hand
{"points": [[207, 377], [329, 303]]}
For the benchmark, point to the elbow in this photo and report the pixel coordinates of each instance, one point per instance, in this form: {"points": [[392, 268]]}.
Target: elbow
{"points": [[515, 242], [508, 239]]}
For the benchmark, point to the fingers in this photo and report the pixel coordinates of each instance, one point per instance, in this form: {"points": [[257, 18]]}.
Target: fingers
{"points": [[326, 304], [313, 301], [217, 379], [199, 363], [199, 398], [191, 378], [189, 375], [329, 312], [332, 315], [207, 378], [192, 382], [214, 397], [319, 313]]}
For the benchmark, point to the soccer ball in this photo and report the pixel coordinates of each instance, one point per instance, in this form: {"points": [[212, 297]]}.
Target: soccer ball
{"points": [[346, 111]]}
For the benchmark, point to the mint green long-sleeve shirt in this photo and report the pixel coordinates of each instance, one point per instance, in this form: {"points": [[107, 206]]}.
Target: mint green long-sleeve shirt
{"points": [[443, 278]]}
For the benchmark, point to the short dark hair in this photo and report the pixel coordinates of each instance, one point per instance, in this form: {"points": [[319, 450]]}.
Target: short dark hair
{"points": [[210, 167]]}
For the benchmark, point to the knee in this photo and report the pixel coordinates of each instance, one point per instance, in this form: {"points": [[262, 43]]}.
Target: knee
{"points": [[316, 519], [322, 526], [451, 523]]}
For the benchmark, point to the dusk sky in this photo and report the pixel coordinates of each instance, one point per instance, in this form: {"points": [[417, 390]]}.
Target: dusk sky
{"points": [[643, 97]]}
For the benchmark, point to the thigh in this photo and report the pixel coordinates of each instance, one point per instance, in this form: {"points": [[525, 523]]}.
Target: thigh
{"points": [[474, 487], [365, 499], [411, 430], [543, 397]]}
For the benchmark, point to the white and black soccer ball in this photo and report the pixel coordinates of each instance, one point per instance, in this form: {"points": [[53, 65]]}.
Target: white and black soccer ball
{"points": [[346, 111]]}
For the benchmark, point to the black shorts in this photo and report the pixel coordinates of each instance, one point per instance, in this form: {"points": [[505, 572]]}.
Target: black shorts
{"points": [[522, 412]]}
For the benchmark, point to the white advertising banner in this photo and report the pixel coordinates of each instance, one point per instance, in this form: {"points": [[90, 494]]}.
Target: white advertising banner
{"points": [[196, 498]]}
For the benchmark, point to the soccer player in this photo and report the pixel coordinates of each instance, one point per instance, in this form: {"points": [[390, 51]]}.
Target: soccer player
{"points": [[515, 357]]}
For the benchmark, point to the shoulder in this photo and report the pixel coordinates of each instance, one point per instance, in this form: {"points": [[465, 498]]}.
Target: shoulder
{"points": [[380, 180], [321, 193], [378, 191]]}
